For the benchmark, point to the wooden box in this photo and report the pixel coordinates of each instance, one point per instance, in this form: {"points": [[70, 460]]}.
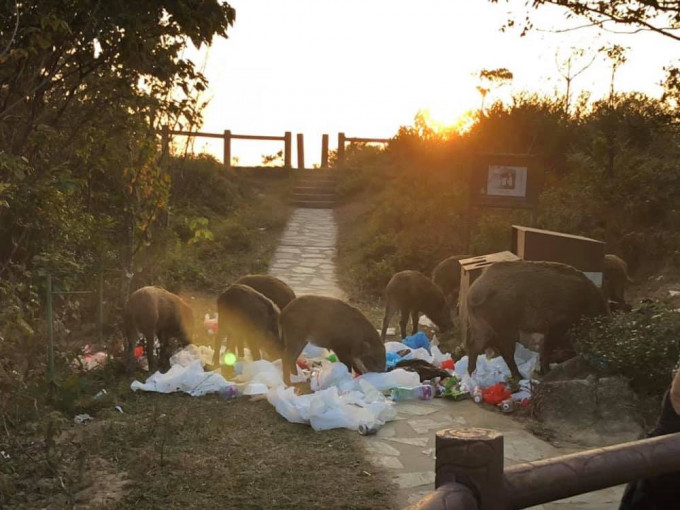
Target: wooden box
{"points": [[583, 253], [470, 270]]}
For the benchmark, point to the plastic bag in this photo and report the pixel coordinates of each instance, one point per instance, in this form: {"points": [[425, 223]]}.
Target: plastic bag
{"points": [[191, 379], [192, 353], [490, 372], [331, 374], [417, 341], [388, 380]]}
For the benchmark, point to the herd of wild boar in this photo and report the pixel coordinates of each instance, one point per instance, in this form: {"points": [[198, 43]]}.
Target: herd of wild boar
{"points": [[262, 312]]}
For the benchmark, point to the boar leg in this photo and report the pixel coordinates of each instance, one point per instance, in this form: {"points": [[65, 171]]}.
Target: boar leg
{"points": [[389, 313], [164, 352], [506, 346], [293, 346], [359, 366], [403, 322], [472, 362], [217, 346], [150, 353], [414, 321]]}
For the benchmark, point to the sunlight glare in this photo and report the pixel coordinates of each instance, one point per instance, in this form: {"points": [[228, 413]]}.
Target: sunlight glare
{"points": [[229, 359]]}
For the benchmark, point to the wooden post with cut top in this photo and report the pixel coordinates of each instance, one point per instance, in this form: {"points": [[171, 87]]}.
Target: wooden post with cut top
{"points": [[341, 149], [288, 142], [324, 151], [227, 148], [301, 151]]}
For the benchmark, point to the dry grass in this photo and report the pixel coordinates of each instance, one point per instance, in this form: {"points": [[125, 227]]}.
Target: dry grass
{"points": [[178, 452]]}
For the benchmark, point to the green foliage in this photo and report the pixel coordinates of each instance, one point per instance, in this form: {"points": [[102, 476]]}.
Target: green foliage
{"points": [[641, 345]]}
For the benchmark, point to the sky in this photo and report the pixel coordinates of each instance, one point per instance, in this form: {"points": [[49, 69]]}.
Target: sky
{"points": [[366, 67]]}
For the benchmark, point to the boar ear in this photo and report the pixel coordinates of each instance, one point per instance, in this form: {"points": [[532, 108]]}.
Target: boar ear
{"points": [[359, 365]]}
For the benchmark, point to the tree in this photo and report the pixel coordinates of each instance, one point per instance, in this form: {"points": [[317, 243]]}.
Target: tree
{"points": [[490, 79], [576, 63], [659, 16], [617, 56]]}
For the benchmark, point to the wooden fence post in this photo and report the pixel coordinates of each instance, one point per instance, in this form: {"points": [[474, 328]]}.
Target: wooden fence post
{"points": [[341, 149], [324, 151], [288, 143], [227, 149], [301, 151], [165, 142], [473, 457]]}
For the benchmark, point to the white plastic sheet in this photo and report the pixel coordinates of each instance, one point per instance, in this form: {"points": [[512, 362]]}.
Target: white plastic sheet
{"points": [[191, 379], [329, 409], [492, 371], [192, 353]]}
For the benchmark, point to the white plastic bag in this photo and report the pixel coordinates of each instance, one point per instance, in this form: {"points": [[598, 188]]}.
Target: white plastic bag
{"points": [[331, 374], [191, 379], [490, 372], [387, 380]]}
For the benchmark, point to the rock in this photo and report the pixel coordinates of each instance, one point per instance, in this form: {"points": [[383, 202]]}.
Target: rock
{"points": [[574, 401], [615, 403], [574, 368]]}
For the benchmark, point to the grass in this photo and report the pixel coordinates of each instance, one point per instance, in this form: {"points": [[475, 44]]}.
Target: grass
{"points": [[178, 452]]}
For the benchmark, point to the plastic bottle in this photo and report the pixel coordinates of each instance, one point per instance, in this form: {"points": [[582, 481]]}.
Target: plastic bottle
{"points": [[477, 395], [422, 392], [508, 405], [228, 392]]}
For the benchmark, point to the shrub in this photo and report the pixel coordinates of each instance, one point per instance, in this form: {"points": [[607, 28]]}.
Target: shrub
{"points": [[641, 345]]}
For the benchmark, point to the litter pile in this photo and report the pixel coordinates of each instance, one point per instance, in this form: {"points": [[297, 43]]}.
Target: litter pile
{"points": [[416, 370]]}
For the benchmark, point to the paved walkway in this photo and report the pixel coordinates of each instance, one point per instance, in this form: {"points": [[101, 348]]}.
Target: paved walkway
{"points": [[304, 258], [405, 447]]}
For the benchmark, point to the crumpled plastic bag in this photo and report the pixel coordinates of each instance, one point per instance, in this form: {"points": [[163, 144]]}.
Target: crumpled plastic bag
{"points": [[191, 379], [496, 394], [490, 372], [191, 353], [387, 380], [328, 409], [332, 374], [417, 341]]}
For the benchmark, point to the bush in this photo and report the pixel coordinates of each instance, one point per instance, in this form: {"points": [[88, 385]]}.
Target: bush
{"points": [[641, 345]]}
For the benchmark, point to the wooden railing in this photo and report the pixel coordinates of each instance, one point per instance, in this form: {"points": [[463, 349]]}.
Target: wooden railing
{"points": [[343, 139], [469, 471], [227, 136]]}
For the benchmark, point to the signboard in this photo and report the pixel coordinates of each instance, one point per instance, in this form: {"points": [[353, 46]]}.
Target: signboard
{"points": [[505, 180]]}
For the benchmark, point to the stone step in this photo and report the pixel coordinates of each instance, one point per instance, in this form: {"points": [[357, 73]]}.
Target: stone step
{"points": [[314, 196], [315, 204]]}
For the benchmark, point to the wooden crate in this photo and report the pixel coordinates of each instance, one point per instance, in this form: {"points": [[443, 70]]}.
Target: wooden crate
{"points": [[470, 270], [583, 253]]}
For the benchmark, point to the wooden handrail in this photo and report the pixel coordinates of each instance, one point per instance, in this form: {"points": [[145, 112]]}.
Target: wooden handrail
{"points": [[471, 457]]}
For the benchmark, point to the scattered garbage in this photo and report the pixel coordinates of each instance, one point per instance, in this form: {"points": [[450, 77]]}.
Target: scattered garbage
{"points": [[673, 293], [192, 353], [119, 409], [477, 395], [421, 392], [417, 341], [210, 323], [492, 371], [508, 405], [101, 394], [4, 455], [82, 419], [426, 371], [228, 392], [365, 430], [191, 379], [90, 361], [496, 394]]}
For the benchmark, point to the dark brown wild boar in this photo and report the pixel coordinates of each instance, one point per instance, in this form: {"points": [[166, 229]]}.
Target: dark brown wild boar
{"points": [[273, 288], [333, 324], [245, 316], [534, 297], [614, 279], [155, 312], [446, 276], [410, 293]]}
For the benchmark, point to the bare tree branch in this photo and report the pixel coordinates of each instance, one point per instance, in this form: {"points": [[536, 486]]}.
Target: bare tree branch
{"points": [[16, 29]]}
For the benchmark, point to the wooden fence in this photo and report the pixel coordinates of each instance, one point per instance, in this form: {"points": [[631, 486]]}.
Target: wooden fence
{"points": [[469, 472], [227, 136]]}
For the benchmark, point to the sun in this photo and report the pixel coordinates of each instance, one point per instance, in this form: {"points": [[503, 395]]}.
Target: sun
{"points": [[442, 122]]}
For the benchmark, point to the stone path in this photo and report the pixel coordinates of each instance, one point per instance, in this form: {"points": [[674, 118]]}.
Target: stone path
{"points": [[405, 447], [304, 258]]}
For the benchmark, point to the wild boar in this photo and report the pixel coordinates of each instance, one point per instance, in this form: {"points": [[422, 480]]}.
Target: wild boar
{"points": [[333, 324], [245, 316], [614, 279], [412, 292], [273, 288], [535, 297], [155, 312], [446, 276]]}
